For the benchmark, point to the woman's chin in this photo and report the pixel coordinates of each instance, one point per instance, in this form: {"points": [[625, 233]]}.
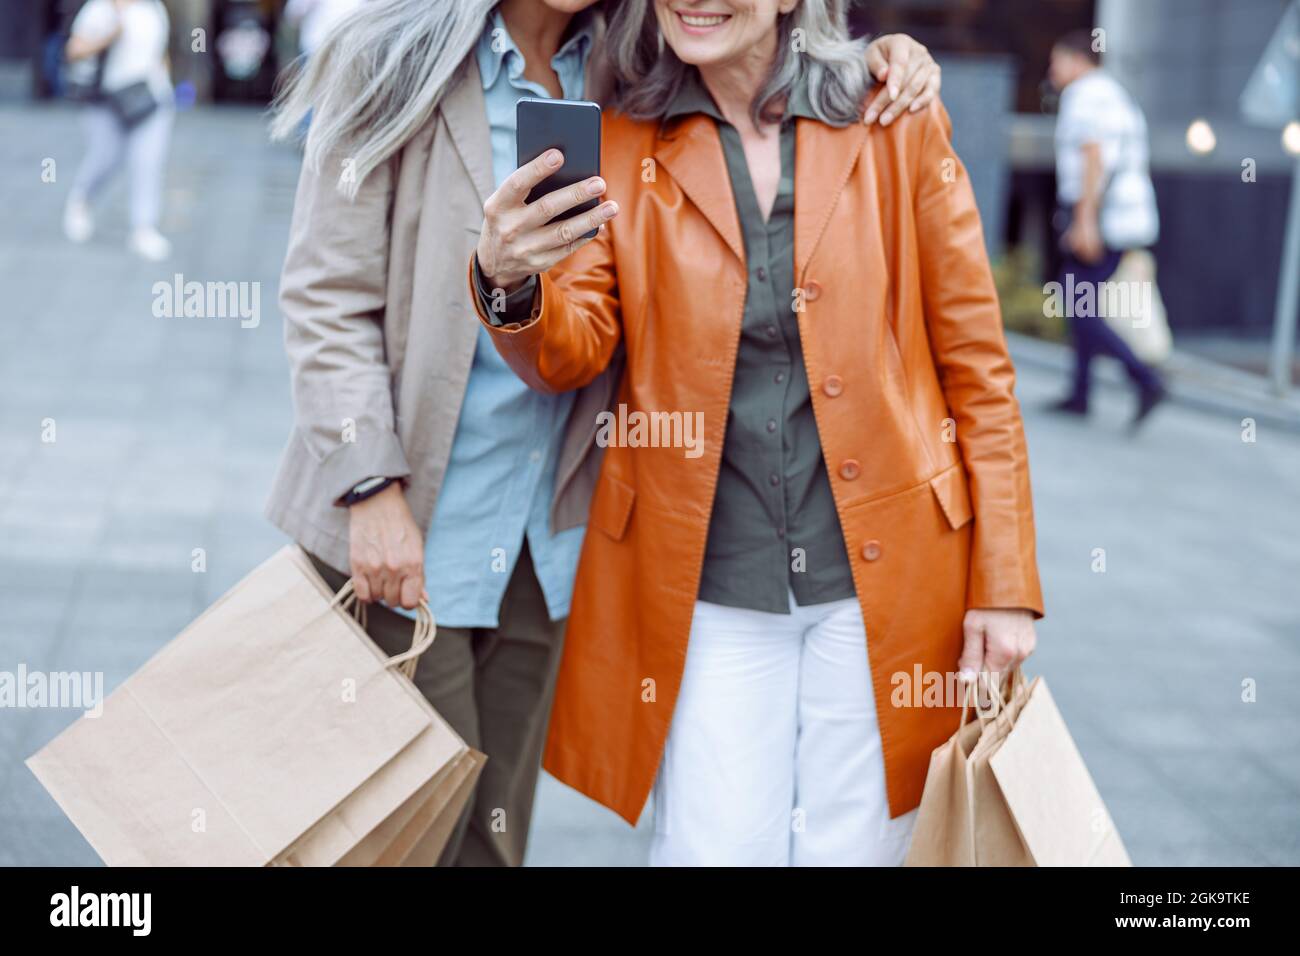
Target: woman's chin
{"points": [[699, 54]]}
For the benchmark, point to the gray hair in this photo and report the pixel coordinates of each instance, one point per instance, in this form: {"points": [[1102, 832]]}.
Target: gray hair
{"points": [[812, 41], [376, 79]]}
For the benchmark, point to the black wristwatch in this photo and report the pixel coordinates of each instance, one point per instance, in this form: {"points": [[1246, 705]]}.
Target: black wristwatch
{"points": [[366, 489]]}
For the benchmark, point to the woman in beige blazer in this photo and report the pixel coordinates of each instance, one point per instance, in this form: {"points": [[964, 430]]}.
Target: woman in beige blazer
{"points": [[416, 454]]}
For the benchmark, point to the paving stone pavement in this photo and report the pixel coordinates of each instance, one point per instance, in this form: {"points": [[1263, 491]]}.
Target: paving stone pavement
{"points": [[168, 430]]}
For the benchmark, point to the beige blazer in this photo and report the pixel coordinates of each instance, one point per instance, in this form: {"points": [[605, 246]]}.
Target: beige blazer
{"points": [[376, 391]]}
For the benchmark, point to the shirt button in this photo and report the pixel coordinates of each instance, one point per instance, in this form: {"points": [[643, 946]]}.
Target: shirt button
{"points": [[770, 330], [871, 550], [850, 469], [771, 425], [762, 274], [813, 291], [833, 385], [774, 479], [779, 377], [780, 532], [534, 455]]}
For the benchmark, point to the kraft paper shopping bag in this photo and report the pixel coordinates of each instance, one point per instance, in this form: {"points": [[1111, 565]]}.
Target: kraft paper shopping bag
{"points": [[1050, 794], [271, 728], [1010, 789]]}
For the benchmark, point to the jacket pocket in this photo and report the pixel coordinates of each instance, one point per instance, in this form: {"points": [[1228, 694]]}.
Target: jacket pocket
{"points": [[951, 490], [611, 506]]}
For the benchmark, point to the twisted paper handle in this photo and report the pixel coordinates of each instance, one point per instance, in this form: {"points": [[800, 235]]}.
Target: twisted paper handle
{"points": [[996, 696], [421, 640]]}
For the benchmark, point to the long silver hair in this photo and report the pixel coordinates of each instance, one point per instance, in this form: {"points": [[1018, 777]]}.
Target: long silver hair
{"points": [[376, 79], [812, 40]]}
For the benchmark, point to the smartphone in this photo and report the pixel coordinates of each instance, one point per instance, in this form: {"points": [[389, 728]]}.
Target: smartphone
{"points": [[572, 127]]}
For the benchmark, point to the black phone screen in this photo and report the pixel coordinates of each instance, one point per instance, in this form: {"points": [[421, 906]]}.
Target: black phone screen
{"points": [[572, 127]]}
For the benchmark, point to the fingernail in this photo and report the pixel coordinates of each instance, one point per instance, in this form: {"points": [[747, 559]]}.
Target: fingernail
{"points": [[893, 92], [596, 187], [553, 157], [609, 210], [916, 107], [871, 116], [886, 119]]}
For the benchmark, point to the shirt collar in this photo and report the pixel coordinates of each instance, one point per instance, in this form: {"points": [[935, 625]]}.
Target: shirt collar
{"points": [[496, 46], [693, 97]]}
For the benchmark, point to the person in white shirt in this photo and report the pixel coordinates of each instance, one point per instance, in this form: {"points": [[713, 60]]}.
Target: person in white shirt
{"points": [[1106, 207], [131, 119]]}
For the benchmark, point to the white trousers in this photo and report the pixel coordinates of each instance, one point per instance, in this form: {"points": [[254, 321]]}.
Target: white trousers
{"points": [[143, 150], [774, 755]]}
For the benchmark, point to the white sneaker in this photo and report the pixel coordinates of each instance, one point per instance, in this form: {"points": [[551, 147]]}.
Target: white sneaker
{"points": [[149, 243], [78, 221]]}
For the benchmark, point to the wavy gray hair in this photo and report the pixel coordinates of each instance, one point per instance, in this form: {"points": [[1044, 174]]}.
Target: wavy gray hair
{"points": [[648, 73], [376, 79]]}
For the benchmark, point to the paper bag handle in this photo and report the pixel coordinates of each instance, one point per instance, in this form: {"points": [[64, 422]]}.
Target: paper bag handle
{"points": [[997, 699], [426, 629]]}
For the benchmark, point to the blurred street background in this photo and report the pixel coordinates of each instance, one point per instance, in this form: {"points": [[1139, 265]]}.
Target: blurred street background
{"points": [[1175, 659]]}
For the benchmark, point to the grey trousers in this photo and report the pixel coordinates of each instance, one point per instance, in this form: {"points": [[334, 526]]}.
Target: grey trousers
{"points": [[495, 687], [143, 150]]}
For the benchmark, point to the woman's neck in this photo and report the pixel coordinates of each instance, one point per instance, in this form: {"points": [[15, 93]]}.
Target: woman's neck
{"points": [[536, 28], [734, 84]]}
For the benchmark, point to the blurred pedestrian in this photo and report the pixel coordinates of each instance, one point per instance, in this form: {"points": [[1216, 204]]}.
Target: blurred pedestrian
{"points": [[1106, 207], [129, 119], [417, 454], [314, 20]]}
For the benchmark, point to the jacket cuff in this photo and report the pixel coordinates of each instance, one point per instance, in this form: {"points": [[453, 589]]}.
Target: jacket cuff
{"points": [[983, 594], [514, 309], [373, 454]]}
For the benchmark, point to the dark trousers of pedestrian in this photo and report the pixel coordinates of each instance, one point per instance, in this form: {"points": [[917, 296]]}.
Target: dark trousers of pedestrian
{"points": [[494, 686], [1090, 332]]}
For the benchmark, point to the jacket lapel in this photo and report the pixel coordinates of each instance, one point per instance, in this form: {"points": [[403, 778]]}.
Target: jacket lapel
{"points": [[693, 157], [464, 111], [824, 159]]}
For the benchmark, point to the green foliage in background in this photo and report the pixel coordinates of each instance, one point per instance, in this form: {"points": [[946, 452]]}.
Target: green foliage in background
{"points": [[1020, 287]]}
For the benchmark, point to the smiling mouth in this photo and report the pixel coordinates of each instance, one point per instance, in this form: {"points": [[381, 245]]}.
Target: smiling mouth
{"points": [[703, 21]]}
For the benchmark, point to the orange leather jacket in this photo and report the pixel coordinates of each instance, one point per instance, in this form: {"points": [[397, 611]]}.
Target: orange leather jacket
{"points": [[912, 392]]}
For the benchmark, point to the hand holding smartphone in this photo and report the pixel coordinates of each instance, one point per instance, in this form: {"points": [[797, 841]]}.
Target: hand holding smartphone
{"points": [[558, 148]]}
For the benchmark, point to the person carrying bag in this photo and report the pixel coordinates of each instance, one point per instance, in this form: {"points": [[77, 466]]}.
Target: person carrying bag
{"points": [[117, 66]]}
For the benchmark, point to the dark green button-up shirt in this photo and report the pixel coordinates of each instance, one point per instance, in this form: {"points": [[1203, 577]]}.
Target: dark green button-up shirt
{"points": [[774, 527]]}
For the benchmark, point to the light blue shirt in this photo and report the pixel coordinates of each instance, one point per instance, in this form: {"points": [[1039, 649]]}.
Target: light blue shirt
{"points": [[500, 479]]}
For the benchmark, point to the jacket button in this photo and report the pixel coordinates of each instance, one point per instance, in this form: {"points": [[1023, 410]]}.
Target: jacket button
{"points": [[871, 550], [850, 469], [812, 291], [833, 385]]}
